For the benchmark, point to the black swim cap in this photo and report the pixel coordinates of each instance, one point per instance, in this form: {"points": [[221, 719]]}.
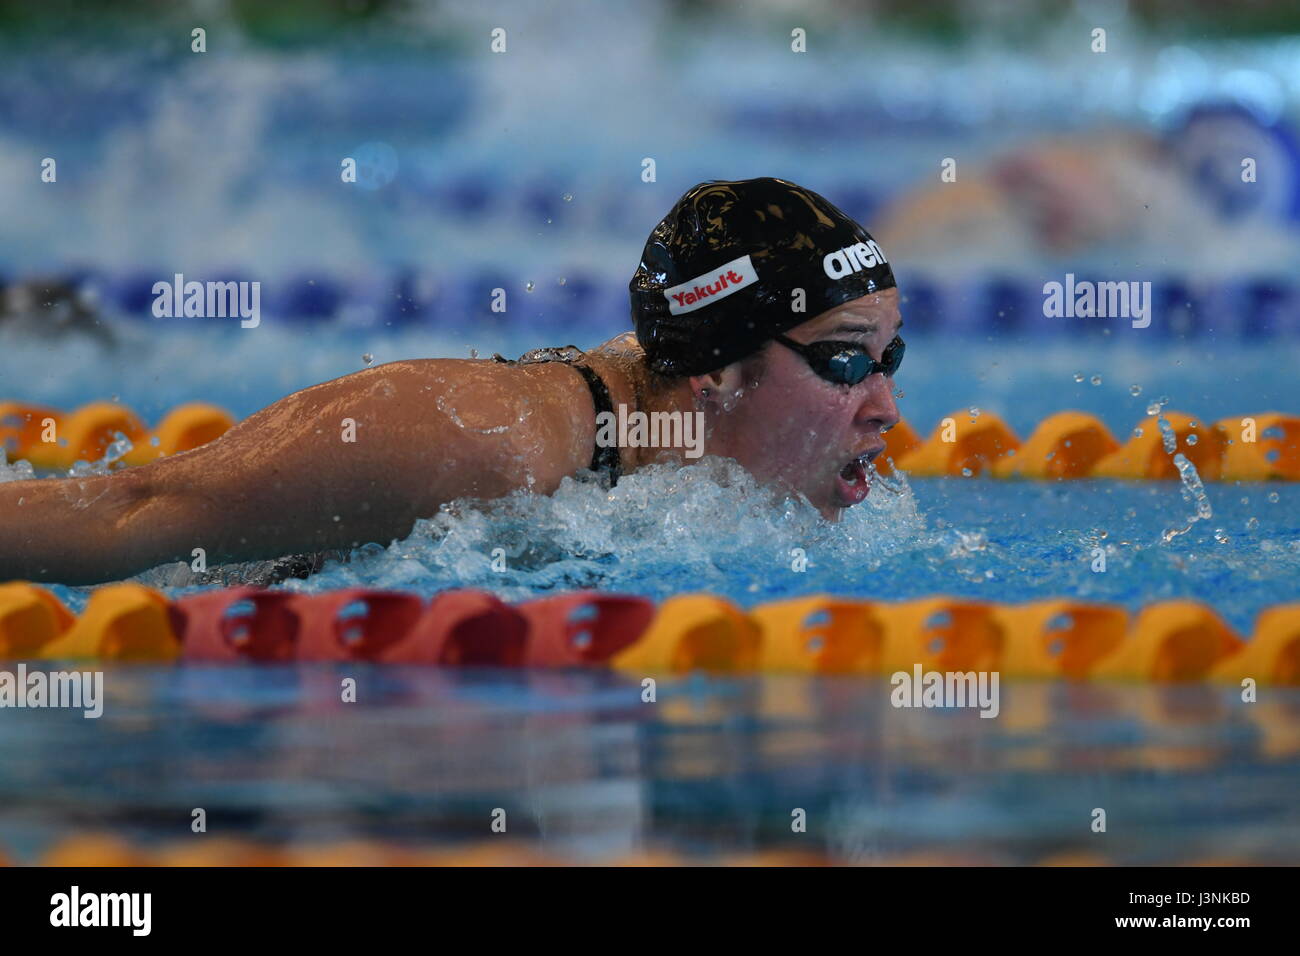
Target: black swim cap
{"points": [[718, 275]]}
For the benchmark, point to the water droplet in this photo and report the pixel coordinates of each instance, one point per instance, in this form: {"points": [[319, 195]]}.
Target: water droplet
{"points": [[473, 353], [1191, 439], [528, 286], [1078, 376], [1137, 433], [898, 393], [368, 359], [1220, 536], [568, 197], [562, 280], [1096, 380], [1135, 390], [1252, 523], [1273, 497], [966, 472]]}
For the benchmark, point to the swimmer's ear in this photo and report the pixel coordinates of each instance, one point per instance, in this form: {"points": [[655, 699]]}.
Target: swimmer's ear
{"points": [[706, 387]]}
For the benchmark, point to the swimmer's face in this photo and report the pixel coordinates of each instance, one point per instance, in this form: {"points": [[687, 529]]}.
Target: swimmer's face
{"points": [[799, 430]]}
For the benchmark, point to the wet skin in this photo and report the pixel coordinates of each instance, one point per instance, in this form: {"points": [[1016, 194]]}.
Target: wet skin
{"points": [[427, 432]]}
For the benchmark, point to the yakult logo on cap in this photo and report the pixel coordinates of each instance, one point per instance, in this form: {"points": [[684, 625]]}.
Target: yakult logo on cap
{"points": [[855, 258], [708, 288]]}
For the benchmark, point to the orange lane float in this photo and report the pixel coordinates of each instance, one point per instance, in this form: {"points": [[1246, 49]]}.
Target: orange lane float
{"points": [[1171, 641], [86, 434], [1272, 451], [819, 635], [1272, 655], [960, 446], [24, 427], [184, 428], [1064, 445], [1144, 454], [899, 440], [30, 618], [121, 622], [695, 632], [1058, 637], [941, 634]]}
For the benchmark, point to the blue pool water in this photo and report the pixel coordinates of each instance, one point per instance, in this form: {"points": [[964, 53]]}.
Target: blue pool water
{"points": [[586, 771]]}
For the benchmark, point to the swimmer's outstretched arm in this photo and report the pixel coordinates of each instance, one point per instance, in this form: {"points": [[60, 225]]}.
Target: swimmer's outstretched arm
{"points": [[287, 480]]}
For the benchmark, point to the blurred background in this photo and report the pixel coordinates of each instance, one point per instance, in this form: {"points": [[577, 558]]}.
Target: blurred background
{"points": [[523, 170]]}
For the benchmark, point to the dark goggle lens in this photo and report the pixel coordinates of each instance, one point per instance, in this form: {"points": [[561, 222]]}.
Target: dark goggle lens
{"points": [[892, 357], [849, 366]]}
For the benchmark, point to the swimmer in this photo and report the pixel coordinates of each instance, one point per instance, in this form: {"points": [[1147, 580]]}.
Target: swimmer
{"points": [[756, 303]]}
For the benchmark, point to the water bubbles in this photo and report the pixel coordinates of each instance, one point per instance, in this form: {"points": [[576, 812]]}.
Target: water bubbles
{"points": [[1220, 536], [1167, 435], [562, 280], [1273, 497], [368, 359], [974, 413], [1096, 380], [473, 353], [528, 286], [1252, 523], [1137, 433], [966, 472], [1194, 489], [1078, 376], [1153, 408], [898, 393], [568, 197], [1135, 390], [1191, 439], [116, 450]]}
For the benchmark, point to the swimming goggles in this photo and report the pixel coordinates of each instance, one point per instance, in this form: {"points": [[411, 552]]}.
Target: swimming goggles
{"points": [[845, 363]]}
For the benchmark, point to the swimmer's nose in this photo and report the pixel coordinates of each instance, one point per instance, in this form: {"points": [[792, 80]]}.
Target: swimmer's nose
{"points": [[878, 409]]}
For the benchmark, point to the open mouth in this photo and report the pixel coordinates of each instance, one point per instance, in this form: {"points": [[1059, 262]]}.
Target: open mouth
{"points": [[852, 483]]}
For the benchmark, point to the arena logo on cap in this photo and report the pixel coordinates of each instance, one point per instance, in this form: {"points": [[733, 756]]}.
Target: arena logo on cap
{"points": [[708, 288], [854, 258]]}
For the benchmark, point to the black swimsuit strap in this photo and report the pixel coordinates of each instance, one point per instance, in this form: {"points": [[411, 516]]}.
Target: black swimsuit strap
{"points": [[605, 460]]}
